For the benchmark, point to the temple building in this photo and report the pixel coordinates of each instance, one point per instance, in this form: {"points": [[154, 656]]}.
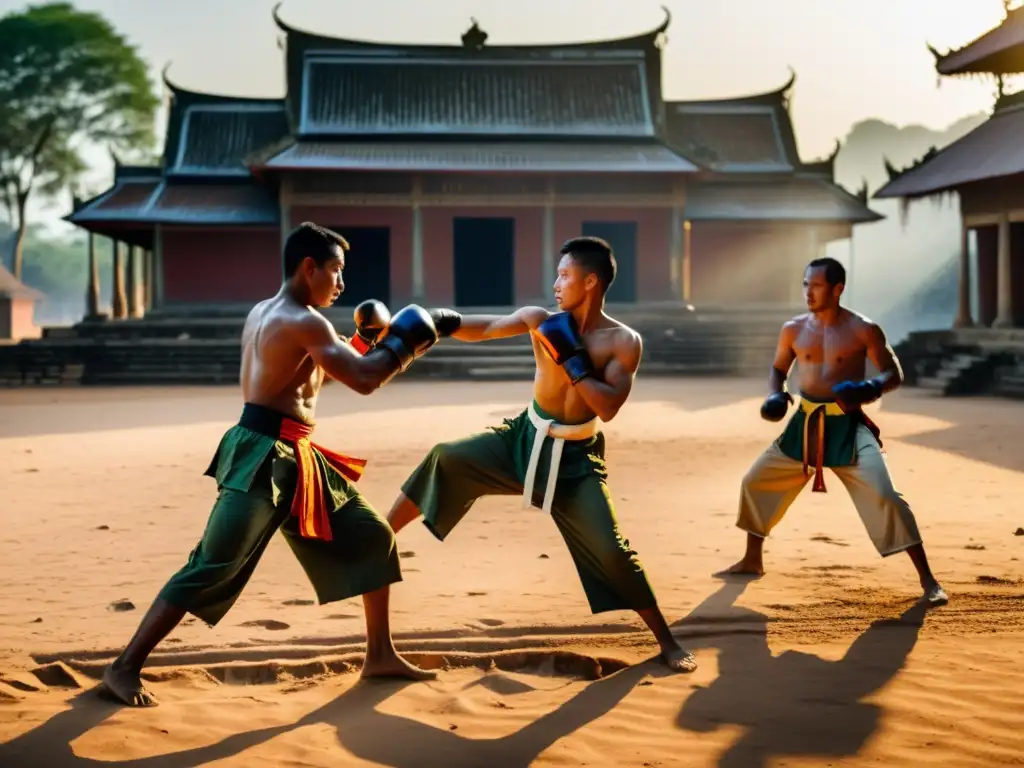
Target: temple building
{"points": [[985, 169], [457, 171]]}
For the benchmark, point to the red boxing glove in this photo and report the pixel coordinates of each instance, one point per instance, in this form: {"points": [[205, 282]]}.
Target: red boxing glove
{"points": [[371, 318]]}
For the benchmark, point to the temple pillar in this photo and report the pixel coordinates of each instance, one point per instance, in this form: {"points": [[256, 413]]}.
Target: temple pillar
{"points": [[418, 283], [147, 280], [118, 303], [92, 293], [1004, 277], [158, 266], [547, 266], [963, 312], [133, 284], [687, 268], [675, 259]]}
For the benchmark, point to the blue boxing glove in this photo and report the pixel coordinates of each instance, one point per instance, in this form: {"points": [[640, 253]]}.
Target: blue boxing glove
{"points": [[858, 392], [409, 334], [562, 341]]}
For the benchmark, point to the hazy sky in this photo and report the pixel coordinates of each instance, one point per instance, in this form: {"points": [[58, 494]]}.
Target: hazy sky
{"points": [[853, 58]]}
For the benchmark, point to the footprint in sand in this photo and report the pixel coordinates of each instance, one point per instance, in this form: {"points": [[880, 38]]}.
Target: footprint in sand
{"points": [[343, 616], [829, 540], [407, 553], [122, 605], [299, 602], [491, 622], [994, 580], [267, 624], [476, 594]]}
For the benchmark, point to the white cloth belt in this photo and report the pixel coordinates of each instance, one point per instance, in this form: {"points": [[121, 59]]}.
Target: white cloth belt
{"points": [[559, 433]]}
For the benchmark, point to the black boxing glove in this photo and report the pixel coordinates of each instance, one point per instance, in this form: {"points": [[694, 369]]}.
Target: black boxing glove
{"points": [[410, 333], [447, 321], [371, 318], [775, 406], [561, 339]]}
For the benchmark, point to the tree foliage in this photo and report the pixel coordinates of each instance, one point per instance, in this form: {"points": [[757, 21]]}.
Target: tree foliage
{"points": [[67, 79]]}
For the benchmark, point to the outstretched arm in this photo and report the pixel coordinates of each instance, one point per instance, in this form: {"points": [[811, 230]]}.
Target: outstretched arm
{"points": [[487, 327], [605, 398], [883, 358]]}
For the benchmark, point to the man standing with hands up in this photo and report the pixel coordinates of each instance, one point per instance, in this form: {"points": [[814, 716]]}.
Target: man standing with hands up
{"points": [[831, 346]]}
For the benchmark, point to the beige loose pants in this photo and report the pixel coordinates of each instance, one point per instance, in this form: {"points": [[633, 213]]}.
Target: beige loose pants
{"points": [[772, 484]]}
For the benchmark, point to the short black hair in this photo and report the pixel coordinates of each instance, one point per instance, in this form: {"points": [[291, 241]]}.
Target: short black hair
{"points": [[835, 273], [594, 255], [312, 240]]}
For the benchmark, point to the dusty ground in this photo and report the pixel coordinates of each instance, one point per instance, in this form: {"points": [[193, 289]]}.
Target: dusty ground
{"points": [[825, 661]]}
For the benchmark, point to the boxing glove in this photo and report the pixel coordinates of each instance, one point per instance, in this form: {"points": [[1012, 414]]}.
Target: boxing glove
{"points": [[447, 321], [560, 338], [371, 318], [858, 392], [775, 406], [410, 333]]}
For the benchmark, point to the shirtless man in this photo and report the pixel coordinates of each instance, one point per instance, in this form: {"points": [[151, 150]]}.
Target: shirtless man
{"points": [[831, 345], [270, 476], [586, 363]]}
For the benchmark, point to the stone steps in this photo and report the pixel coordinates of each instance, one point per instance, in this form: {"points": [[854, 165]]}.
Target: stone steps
{"points": [[172, 349]]}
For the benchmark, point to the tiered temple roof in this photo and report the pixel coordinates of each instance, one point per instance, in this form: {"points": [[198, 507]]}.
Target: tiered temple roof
{"points": [[1000, 51], [353, 105], [749, 134], [992, 150]]}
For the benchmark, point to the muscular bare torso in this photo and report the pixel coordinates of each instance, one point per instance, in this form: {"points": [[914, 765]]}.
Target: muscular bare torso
{"points": [[277, 372], [553, 390], [828, 355]]}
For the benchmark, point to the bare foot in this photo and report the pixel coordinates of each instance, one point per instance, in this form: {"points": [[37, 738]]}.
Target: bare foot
{"points": [[126, 685], [393, 665], [935, 595], [678, 659], [743, 568]]}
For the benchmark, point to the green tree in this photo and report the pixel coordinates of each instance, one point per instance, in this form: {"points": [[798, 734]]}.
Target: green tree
{"points": [[67, 79]]}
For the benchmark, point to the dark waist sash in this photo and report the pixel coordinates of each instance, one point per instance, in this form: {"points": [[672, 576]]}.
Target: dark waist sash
{"points": [[308, 503], [834, 428]]}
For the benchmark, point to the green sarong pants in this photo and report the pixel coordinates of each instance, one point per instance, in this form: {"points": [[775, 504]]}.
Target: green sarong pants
{"points": [[454, 475], [256, 477]]}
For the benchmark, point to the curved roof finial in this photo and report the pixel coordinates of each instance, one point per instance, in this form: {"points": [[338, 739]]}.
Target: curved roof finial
{"points": [[835, 152], [659, 34], [668, 20], [789, 83], [276, 15]]}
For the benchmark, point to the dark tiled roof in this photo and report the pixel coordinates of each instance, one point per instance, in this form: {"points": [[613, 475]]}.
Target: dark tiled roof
{"points": [[744, 134], [792, 199], [125, 201], [991, 150], [551, 157], [214, 204], [348, 95], [181, 203], [728, 138], [215, 139], [1000, 50]]}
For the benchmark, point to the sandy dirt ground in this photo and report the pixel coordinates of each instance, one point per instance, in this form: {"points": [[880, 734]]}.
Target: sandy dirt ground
{"points": [[827, 660]]}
